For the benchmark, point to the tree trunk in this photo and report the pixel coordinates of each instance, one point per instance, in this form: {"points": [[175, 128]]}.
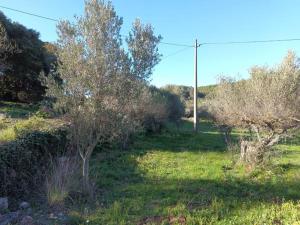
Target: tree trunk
{"points": [[226, 133], [243, 151], [85, 173], [227, 137], [252, 152]]}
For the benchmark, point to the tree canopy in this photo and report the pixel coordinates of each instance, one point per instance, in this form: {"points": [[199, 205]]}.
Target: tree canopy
{"points": [[22, 59]]}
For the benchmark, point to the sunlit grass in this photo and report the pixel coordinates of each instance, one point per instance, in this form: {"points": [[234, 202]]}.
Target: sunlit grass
{"points": [[24, 126]]}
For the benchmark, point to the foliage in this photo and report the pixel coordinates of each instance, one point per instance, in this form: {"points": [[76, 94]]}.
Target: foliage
{"points": [[22, 59], [155, 107], [151, 110], [142, 46], [182, 176], [175, 108], [267, 104], [186, 95], [24, 161]]}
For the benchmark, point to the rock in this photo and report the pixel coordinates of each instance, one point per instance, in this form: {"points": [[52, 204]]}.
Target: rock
{"points": [[9, 218], [52, 216], [27, 220], [3, 204], [24, 205]]}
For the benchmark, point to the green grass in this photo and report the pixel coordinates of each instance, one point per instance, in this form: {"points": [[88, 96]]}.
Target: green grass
{"points": [[17, 110], [17, 119], [179, 177]]}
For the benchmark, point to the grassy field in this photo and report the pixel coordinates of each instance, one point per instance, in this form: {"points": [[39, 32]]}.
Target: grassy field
{"points": [[179, 177]]}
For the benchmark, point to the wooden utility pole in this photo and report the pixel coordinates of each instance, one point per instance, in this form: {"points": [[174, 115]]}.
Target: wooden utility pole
{"points": [[195, 88]]}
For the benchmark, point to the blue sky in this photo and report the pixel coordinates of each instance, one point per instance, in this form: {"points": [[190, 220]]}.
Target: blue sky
{"points": [[182, 22]]}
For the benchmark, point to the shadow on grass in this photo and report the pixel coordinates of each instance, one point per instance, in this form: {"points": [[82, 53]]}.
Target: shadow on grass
{"points": [[200, 193], [148, 198], [289, 166]]}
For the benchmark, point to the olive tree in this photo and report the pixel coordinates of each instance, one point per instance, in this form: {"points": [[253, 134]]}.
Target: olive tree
{"points": [[98, 87], [267, 104]]}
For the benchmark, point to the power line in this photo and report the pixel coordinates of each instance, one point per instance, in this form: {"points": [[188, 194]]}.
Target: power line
{"points": [[175, 53], [249, 42], [170, 43], [30, 14], [177, 44], [55, 20]]}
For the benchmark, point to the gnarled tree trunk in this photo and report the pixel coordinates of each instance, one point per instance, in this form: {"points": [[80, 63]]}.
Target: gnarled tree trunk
{"points": [[255, 152]]}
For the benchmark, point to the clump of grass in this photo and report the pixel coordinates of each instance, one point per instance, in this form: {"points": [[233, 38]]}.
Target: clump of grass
{"points": [[61, 180], [7, 134]]}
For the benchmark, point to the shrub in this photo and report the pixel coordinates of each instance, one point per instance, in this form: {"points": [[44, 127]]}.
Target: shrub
{"points": [[150, 109], [155, 107], [24, 162], [175, 108], [267, 105]]}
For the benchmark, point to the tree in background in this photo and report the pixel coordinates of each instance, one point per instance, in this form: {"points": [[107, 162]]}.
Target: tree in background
{"points": [[267, 104], [101, 82], [22, 59], [186, 95]]}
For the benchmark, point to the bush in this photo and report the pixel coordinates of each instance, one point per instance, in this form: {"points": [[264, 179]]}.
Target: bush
{"points": [[24, 162], [267, 105], [175, 108], [156, 107]]}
